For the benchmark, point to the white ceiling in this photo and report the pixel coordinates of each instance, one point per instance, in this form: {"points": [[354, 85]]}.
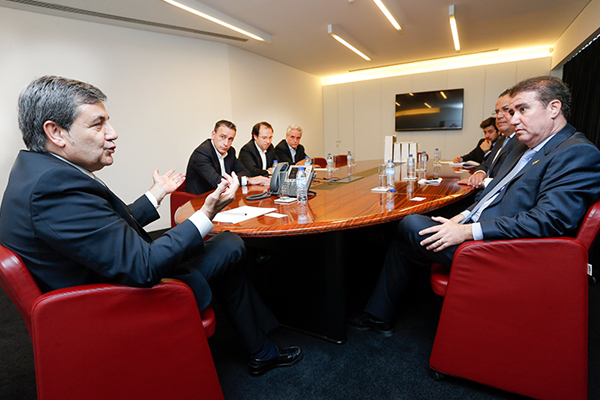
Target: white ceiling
{"points": [[299, 27]]}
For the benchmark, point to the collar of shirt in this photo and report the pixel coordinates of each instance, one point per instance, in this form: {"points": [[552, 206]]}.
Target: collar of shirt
{"points": [[292, 152], [263, 155], [221, 158]]}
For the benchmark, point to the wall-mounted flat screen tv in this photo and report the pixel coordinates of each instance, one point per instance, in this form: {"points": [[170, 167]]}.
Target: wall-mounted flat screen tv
{"points": [[437, 110]]}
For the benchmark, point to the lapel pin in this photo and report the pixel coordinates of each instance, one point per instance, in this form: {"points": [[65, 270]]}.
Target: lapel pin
{"points": [[535, 162]]}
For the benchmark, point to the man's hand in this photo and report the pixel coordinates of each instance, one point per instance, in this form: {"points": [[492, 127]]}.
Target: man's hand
{"points": [[457, 160], [486, 145], [222, 196], [165, 184], [476, 180], [449, 233], [259, 180]]}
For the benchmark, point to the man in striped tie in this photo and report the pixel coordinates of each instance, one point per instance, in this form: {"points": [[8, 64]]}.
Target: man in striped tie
{"points": [[543, 189]]}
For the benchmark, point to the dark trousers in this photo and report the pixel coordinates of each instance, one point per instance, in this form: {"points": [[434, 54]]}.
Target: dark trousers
{"points": [[403, 257], [221, 265]]}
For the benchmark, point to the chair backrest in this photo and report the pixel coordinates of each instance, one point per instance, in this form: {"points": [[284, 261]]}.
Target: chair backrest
{"points": [[320, 162], [340, 160], [589, 226], [18, 283], [177, 199]]}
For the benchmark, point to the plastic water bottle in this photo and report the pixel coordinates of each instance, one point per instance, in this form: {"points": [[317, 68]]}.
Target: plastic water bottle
{"points": [[329, 163], [301, 182], [424, 159], [275, 162], [307, 160], [389, 205], [349, 158], [436, 157], [410, 167], [390, 173]]}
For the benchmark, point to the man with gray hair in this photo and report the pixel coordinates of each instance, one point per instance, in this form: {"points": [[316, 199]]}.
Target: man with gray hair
{"points": [[289, 149], [70, 229]]}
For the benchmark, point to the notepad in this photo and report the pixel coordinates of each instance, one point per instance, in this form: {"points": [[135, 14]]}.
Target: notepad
{"points": [[239, 214]]}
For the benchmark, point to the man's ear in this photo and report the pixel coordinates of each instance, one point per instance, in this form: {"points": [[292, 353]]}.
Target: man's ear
{"points": [[555, 107], [54, 134]]}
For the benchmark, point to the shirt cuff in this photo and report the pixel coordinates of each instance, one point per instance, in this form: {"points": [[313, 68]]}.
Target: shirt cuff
{"points": [[465, 213], [476, 230], [478, 171], [243, 180], [202, 223], [152, 199]]}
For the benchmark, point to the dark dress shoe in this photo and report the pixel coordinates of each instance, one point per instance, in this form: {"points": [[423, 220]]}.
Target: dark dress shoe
{"points": [[288, 356], [366, 321]]}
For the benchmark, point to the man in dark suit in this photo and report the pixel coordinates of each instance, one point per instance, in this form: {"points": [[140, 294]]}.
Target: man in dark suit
{"points": [[485, 172], [214, 158], [289, 149], [258, 154], [485, 145], [70, 229], [544, 189]]}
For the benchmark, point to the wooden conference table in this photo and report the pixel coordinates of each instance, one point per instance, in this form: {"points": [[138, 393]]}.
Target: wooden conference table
{"points": [[324, 257]]}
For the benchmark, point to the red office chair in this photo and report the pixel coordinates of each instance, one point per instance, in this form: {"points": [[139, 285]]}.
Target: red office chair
{"points": [[515, 314], [179, 198], [110, 341], [340, 160], [320, 162]]}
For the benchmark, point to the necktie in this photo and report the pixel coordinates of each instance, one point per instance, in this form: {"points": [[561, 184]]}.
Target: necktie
{"points": [[488, 198]]}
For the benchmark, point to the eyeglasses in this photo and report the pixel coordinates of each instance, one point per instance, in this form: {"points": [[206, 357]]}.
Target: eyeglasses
{"points": [[504, 111]]}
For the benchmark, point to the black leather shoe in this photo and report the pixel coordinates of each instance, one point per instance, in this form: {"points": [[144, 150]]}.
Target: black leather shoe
{"points": [[366, 321], [288, 356]]}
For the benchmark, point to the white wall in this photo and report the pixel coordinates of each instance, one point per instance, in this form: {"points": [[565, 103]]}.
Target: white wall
{"points": [[164, 92], [357, 116]]}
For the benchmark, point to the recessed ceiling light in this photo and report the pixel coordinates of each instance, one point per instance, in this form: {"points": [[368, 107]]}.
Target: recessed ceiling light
{"points": [[454, 29]]}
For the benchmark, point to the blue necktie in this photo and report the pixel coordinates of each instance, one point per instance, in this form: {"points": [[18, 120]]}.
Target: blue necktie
{"points": [[488, 198]]}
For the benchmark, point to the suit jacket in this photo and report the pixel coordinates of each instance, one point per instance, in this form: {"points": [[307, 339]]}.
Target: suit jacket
{"points": [[203, 172], [550, 195], [71, 230], [492, 164], [282, 150], [477, 154], [250, 159]]}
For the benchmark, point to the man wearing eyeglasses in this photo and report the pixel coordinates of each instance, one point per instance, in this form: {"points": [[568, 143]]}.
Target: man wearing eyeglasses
{"points": [[258, 154], [485, 172]]}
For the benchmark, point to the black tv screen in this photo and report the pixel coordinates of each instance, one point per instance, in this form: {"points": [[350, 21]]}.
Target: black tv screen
{"points": [[438, 110]]}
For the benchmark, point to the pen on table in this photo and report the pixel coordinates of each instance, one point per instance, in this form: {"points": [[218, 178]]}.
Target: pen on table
{"points": [[236, 213]]}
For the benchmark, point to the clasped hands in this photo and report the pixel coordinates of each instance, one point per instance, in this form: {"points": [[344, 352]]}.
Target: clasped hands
{"points": [[449, 233]]}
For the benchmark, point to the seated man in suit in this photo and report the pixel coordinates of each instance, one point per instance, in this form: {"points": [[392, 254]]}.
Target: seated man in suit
{"points": [[70, 229], [484, 146], [485, 172], [214, 158], [289, 149], [544, 189], [258, 154]]}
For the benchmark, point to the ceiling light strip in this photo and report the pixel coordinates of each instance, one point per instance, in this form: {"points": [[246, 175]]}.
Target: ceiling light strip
{"points": [[388, 14], [58, 9], [442, 64], [219, 18], [337, 34], [454, 29]]}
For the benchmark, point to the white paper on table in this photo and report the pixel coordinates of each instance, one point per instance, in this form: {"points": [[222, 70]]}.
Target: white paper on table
{"points": [[430, 181], [236, 215]]}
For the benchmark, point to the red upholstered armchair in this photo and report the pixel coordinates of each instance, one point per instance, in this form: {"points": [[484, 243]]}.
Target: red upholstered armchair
{"points": [[515, 314], [177, 199], [109, 341]]}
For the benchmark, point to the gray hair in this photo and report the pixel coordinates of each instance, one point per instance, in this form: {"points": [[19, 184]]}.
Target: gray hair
{"points": [[52, 98], [292, 128]]}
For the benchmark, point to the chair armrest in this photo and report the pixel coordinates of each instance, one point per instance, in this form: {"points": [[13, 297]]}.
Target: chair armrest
{"points": [[134, 338]]}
